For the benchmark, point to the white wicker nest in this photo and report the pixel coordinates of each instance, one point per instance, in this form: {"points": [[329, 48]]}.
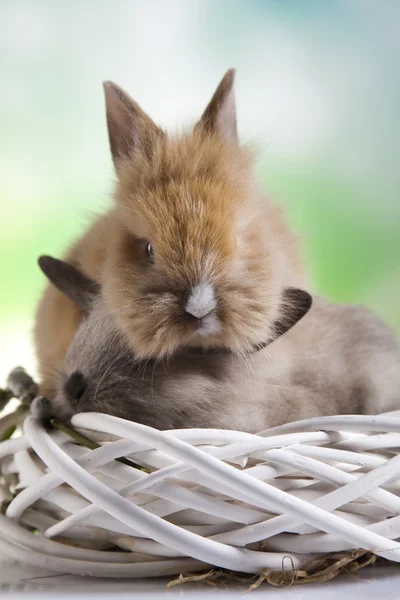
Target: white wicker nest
{"points": [[213, 497]]}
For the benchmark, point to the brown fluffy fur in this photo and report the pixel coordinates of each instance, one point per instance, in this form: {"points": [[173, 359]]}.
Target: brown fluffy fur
{"points": [[194, 198]]}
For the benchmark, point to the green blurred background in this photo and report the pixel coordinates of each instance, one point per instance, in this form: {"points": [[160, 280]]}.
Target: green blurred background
{"points": [[318, 89]]}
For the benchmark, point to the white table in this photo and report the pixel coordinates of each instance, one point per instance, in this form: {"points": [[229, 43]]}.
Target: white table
{"points": [[17, 580]]}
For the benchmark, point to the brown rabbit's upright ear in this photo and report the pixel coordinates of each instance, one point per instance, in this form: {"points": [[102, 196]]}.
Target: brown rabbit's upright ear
{"points": [[129, 128], [70, 281], [220, 115], [295, 304]]}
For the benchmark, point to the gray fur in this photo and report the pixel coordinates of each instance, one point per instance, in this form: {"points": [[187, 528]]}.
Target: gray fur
{"points": [[337, 359]]}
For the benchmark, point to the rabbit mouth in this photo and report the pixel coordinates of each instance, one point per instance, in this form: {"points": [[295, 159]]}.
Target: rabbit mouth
{"points": [[208, 325]]}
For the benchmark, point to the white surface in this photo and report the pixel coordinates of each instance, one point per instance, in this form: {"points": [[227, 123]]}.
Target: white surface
{"points": [[22, 581]]}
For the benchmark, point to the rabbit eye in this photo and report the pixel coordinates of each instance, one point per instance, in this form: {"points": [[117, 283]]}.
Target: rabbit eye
{"points": [[75, 385], [149, 250]]}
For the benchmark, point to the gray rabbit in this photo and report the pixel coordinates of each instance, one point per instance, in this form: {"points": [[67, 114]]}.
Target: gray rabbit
{"points": [[327, 359]]}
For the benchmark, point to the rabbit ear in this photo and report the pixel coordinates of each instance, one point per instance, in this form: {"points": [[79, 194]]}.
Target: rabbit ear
{"points": [[220, 114], [70, 281], [296, 303], [129, 128]]}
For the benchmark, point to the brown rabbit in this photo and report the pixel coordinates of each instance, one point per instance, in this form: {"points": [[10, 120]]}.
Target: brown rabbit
{"points": [[191, 254], [335, 360]]}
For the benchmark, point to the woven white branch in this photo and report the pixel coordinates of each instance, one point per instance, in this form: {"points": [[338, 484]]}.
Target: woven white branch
{"points": [[213, 497]]}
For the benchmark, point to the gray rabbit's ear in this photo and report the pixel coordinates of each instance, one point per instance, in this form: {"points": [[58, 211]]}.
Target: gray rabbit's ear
{"points": [[70, 281], [220, 114], [130, 130], [295, 305]]}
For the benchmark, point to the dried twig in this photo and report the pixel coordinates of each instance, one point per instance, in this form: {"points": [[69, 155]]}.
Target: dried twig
{"points": [[203, 577], [317, 570]]}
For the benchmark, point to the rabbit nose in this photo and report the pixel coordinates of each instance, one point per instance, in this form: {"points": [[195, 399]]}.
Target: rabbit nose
{"points": [[201, 301]]}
